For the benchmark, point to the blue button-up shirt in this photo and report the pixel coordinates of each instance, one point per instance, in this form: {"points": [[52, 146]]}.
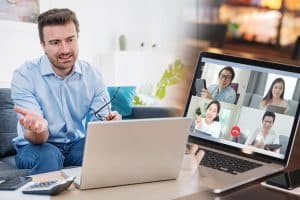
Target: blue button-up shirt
{"points": [[65, 103], [226, 95]]}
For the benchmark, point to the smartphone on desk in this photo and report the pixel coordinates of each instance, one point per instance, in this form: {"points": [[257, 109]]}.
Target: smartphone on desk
{"points": [[285, 181]]}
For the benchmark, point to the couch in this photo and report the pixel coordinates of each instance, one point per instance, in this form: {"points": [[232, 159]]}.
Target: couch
{"points": [[8, 121], [8, 130]]}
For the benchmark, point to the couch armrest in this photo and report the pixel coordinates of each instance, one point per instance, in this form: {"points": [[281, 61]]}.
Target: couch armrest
{"points": [[140, 112]]}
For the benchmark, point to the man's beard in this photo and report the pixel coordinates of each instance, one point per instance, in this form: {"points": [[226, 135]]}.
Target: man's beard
{"points": [[63, 65]]}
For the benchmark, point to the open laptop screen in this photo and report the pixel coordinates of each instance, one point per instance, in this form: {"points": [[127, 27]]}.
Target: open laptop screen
{"points": [[244, 104]]}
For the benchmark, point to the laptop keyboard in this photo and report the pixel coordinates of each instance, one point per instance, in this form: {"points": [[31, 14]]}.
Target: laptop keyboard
{"points": [[227, 163]]}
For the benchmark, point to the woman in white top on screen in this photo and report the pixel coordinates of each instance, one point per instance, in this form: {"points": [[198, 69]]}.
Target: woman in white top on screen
{"points": [[210, 124], [275, 95]]}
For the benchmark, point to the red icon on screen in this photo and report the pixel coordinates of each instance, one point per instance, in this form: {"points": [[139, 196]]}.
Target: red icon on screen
{"points": [[235, 131]]}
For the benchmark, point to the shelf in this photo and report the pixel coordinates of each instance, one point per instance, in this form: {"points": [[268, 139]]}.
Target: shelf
{"points": [[249, 5], [297, 12], [258, 24], [260, 7]]}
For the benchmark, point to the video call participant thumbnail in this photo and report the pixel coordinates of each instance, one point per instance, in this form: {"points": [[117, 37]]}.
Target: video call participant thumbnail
{"points": [[210, 124], [265, 135], [275, 95], [222, 91]]}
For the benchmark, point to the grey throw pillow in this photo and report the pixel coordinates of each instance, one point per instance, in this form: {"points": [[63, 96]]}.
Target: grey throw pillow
{"points": [[9, 172], [6, 147], [8, 123]]}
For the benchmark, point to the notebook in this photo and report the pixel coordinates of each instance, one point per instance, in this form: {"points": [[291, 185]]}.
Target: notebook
{"points": [[131, 151], [228, 161]]}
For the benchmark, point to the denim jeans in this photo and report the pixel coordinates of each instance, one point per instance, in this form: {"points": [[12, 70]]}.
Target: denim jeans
{"points": [[49, 157]]}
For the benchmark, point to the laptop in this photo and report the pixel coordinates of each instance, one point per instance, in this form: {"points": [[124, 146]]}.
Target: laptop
{"points": [[276, 109], [131, 151], [230, 162]]}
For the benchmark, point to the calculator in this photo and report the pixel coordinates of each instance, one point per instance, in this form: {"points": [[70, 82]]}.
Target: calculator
{"points": [[49, 187]]}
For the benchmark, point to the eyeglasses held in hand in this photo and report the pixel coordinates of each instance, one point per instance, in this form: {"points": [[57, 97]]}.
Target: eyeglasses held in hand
{"points": [[97, 112]]}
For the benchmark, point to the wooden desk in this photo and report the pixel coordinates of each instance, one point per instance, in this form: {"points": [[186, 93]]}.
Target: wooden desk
{"points": [[188, 183], [188, 186]]}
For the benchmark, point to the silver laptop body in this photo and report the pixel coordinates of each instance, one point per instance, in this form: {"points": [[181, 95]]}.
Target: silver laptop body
{"points": [[131, 151], [220, 180]]}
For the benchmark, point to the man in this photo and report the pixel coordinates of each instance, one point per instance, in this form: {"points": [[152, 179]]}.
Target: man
{"points": [[54, 97], [265, 135], [222, 91]]}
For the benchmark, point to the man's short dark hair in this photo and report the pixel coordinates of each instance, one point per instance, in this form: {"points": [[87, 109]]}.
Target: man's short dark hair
{"points": [[228, 69], [56, 16], [270, 114]]}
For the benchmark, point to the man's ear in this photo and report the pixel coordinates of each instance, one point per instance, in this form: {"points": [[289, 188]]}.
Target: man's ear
{"points": [[43, 44]]}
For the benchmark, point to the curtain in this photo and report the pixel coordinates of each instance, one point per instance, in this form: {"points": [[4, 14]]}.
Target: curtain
{"points": [[257, 83]]}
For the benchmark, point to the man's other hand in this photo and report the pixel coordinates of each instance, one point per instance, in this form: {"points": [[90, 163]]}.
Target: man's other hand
{"points": [[206, 94], [114, 115], [197, 154]]}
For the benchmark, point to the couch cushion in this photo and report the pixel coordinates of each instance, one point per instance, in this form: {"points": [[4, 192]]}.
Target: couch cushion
{"points": [[11, 160], [8, 123], [124, 99], [141, 112], [9, 172]]}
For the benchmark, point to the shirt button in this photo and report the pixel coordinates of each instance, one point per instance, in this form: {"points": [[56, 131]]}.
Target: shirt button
{"points": [[71, 136]]}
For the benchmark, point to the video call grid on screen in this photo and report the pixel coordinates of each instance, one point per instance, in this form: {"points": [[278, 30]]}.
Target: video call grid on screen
{"points": [[246, 113]]}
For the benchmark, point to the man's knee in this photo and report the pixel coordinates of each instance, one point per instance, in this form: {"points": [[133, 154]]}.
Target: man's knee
{"points": [[43, 158]]}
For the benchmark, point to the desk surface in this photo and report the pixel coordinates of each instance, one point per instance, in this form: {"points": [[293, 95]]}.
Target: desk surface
{"points": [[187, 186], [187, 183]]}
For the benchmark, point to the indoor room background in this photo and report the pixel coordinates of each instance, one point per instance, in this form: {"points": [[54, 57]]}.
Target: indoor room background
{"points": [[152, 31]]}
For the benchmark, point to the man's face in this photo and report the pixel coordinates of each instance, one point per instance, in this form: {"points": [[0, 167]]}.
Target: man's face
{"points": [[225, 79], [268, 122], [61, 46]]}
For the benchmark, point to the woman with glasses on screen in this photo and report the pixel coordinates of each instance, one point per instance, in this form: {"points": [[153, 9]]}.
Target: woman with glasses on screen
{"points": [[275, 96], [222, 91], [210, 125]]}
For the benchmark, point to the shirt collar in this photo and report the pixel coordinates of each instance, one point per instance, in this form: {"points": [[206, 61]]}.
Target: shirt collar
{"points": [[47, 69]]}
